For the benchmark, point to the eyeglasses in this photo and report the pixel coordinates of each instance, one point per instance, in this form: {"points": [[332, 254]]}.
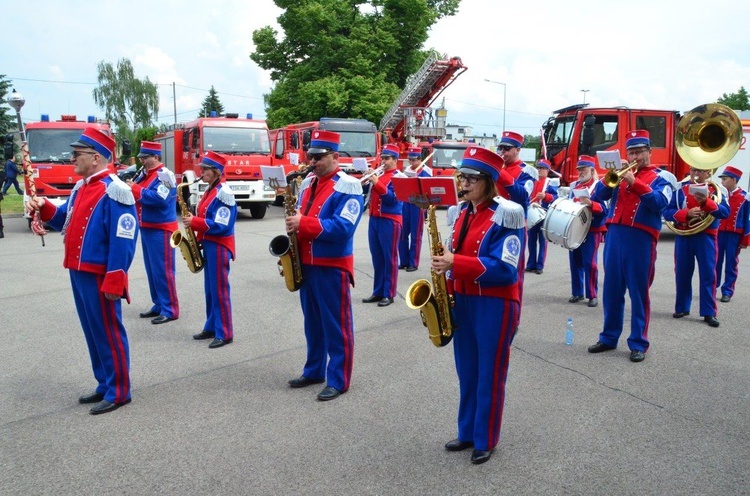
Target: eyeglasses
{"points": [[504, 148], [317, 156], [75, 154], [387, 157], [473, 179]]}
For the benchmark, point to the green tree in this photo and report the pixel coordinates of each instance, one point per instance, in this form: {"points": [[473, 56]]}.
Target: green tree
{"points": [[736, 101], [343, 58], [211, 102], [129, 103], [7, 114]]}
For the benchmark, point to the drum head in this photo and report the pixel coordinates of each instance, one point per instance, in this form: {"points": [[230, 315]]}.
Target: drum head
{"points": [[567, 223]]}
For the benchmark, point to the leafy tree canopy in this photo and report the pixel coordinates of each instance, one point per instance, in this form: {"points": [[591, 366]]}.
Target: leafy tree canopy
{"points": [[129, 103], [7, 114], [736, 101], [343, 58], [211, 102]]}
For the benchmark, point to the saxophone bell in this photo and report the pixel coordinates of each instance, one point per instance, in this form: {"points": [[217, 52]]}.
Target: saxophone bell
{"points": [[187, 243]]}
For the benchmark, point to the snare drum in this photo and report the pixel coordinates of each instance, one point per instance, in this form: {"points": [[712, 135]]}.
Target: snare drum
{"points": [[566, 223], [535, 215]]}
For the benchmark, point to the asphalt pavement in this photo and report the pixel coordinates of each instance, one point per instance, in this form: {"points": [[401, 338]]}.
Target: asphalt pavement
{"points": [[224, 421]]}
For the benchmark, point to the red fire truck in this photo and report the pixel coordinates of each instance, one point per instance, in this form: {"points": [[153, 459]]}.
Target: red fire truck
{"points": [[243, 141], [50, 152]]}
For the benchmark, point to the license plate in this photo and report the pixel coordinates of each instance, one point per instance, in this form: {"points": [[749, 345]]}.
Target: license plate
{"points": [[240, 187]]}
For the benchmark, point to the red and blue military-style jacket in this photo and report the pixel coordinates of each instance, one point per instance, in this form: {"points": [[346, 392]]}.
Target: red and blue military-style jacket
{"points": [[738, 220], [598, 208], [326, 231], [516, 183], [156, 200], [486, 262], [383, 202], [215, 217], [683, 201], [100, 228], [640, 205]]}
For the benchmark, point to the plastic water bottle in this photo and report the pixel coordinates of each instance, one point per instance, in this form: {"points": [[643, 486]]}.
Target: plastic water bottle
{"points": [[569, 332]]}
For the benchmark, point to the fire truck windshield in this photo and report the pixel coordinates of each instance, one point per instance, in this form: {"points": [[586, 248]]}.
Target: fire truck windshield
{"points": [[357, 144], [561, 131], [236, 140], [447, 158], [51, 145]]}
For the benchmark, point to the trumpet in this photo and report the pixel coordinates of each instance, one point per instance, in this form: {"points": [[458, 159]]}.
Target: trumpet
{"points": [[613, 177], [373, 172]]}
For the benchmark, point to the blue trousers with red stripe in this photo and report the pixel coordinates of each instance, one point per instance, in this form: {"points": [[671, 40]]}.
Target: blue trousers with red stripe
{"points": [[481, 347], [101, 321], [158, 257], [329, 328], [729, 250], [216, 287], [584, 269], [629, 259], [688, 249], [383, 235], [410, 242], [537, 248]]}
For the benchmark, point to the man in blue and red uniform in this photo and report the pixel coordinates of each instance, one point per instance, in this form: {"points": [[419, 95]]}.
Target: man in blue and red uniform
{"points": [[213, 224], [155, 194], [633, 227], [384, 230], [584, 268], [410, 244], [100, 229], [734, 232], [543, 194], [330, 207], [686, 208]]}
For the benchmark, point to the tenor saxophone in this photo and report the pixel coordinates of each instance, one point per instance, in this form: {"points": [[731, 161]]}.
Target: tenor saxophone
{"points": [[285, 246], [432, 300], [187, 243]]}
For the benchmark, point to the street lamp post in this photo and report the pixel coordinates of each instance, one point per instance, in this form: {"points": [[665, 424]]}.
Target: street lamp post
{"points": [[504, 88], [584, 95], [16, 101]]}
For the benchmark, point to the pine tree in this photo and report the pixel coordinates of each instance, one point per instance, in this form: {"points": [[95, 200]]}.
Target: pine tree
{"points": [[211, 102]]}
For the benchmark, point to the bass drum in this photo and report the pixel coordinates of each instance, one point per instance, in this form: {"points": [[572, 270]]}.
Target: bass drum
{"points": [[567, 223], [535, 215]]}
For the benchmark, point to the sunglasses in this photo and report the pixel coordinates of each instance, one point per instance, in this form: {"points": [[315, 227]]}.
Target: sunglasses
{"points": [[469, 179], [504, 148], [75, 154], [317, 156], [387, 157]]}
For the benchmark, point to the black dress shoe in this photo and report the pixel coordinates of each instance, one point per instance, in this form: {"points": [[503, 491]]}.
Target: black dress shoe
{"points": [[385, 302], [218, 343], [529, 269], [329, 393], [161, 319], [725, 298], [303, 381], [105, 406], [401, 267], [458, 445], [599, 347], [593, 302], [204, 335], [679, 315], [711, 320], [149, 314], [91, 398], [480, 456], [575, 299], [411, 269], [539, 271], [372, 299], [637, 356]]}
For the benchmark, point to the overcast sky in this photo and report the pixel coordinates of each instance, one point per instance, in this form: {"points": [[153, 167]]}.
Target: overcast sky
{"points": [[665, 54]]}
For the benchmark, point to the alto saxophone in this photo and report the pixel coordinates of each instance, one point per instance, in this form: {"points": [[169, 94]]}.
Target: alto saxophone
{"points": [[432, 300], [187, 243], [285, 246]]}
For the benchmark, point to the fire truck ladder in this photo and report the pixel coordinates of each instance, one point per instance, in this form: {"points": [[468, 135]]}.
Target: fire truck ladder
{"points": [[429, 81]]}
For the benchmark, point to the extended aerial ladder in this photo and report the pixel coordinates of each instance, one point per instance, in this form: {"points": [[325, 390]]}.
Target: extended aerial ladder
{"points": [[410, 115]]}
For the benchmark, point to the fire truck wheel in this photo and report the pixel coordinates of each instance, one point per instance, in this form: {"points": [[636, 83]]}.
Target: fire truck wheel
{"points": [[258, 210]]}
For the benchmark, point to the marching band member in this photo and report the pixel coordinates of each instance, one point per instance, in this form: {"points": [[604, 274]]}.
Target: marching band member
{"points": [[543, 194], [487, 244], [410, 244], [734, 232], [687, 207], [156, 200], [100, 228], [584, 269], [331, 209], [633, 227], [384, 229], [213, 224]]}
